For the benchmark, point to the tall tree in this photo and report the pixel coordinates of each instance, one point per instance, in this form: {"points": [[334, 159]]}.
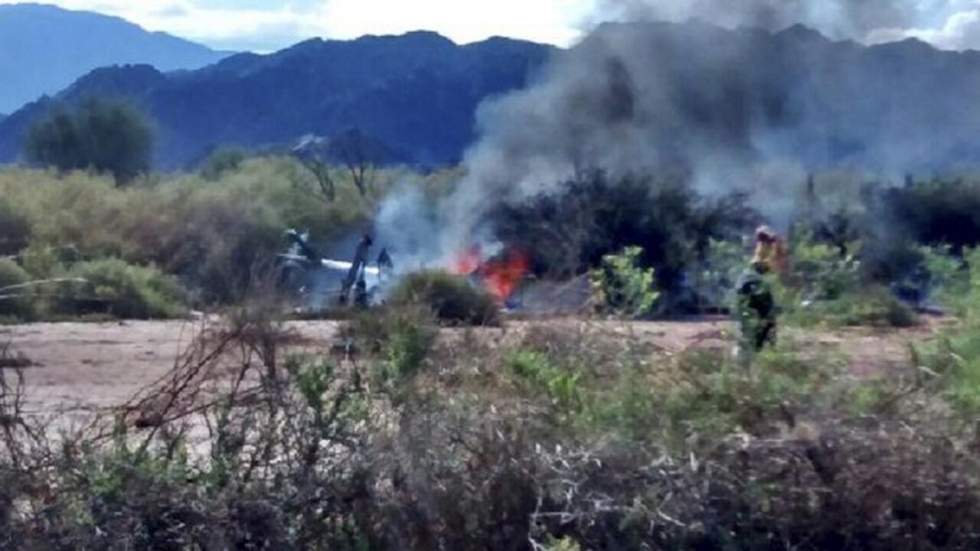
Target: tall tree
{"points": [[107, 136]]}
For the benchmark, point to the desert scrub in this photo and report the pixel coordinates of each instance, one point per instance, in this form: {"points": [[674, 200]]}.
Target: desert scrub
{"points": [[118, 289], [452, 299], [948, 276], [16, 303], [538, 374], [396, 342], [717, 273], [717, 397], [15, 229], [623, 287], [871, 305], [954, 362]]}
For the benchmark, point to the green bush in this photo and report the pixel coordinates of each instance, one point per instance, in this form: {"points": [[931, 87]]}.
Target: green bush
{"points": [[624, 288], [717, 274], [218, 237], [398, 338], [824, 287], [222, 160], [561, 384], [16, 304], [109, 136], [113, 287], [15, 229], [871, 306], [452, 299]]}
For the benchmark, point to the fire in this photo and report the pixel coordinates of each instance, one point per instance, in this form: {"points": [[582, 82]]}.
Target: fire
{"points": [[468, 261], [501, 275]]}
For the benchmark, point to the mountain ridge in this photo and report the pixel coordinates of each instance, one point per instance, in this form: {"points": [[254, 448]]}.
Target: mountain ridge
{"points": [[824, 102], [45, 48], [416, 92]]}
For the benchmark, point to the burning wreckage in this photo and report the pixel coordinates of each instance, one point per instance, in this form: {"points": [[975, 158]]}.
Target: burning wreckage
{"points": [[323, 282]]}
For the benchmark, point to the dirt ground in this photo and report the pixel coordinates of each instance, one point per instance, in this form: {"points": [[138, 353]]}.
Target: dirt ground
{"points": [[74, 368]]}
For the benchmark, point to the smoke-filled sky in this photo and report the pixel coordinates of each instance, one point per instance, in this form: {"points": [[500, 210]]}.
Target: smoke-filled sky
{"points": [[265, 25]]}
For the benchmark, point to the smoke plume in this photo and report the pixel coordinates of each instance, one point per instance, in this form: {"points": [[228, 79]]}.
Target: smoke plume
{"points": [[749, 109], [838, 19]]}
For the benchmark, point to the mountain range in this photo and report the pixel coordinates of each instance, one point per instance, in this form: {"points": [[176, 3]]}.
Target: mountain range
{"points": [[815, 99], [43, 49], [416, 93]]}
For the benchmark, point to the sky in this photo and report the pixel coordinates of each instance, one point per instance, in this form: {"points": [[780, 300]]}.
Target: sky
{"points": [[268, 25]]}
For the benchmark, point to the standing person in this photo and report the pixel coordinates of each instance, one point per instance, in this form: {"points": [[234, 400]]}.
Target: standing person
{"points": [[770, 250], [755, 309]]}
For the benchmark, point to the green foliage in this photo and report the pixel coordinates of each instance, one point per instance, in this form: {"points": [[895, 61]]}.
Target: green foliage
{"points": [[954, 357], [821, 271], [678, 452], [15, 229], [221, 161], [452, 299], [407, 348], [220, 238], [399, 337], [15, 303], [948, 277], [826, 288], [630, 408], [717, 274], [113, 287], [622, 287], [107, 136], [719, 397], [561, 384], [44, 262], [870, 306]]}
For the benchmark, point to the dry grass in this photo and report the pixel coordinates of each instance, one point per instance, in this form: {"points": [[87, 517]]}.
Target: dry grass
{"points": [[512, 438]]}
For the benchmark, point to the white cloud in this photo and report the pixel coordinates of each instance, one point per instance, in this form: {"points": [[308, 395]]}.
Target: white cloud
{"points": [[265, 25], [960, 31], [222, 27], [552, 21], [269, 25]]}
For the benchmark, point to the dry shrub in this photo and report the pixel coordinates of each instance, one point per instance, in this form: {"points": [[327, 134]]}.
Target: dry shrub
{"points": [[122, 290], [452, 299], [293, 452], [15, 302], [211, 234], [15, 229]]}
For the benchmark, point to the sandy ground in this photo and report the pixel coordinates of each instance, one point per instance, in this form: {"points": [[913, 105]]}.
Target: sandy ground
{"points": [[83, 367]]}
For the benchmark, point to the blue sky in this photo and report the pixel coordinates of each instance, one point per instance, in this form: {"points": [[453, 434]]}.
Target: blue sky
{"points": [[267, 25]]}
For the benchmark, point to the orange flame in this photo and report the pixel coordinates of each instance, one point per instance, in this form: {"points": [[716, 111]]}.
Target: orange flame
{"points": [[500, 275]]}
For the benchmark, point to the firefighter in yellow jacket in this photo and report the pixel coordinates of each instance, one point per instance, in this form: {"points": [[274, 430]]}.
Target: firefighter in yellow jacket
{"points": [[770, 250]]}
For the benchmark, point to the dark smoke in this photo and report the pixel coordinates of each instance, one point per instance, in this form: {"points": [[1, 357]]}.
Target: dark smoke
{"points": [[838, 19], [746, 110]]}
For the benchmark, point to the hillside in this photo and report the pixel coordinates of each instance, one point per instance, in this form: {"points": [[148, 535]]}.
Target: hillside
{"points": [[416, 93], [748, 93], [43, 49]]}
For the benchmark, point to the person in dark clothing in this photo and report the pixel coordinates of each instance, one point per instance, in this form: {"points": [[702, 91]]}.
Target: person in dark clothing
{"points": [[755, 310]]}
